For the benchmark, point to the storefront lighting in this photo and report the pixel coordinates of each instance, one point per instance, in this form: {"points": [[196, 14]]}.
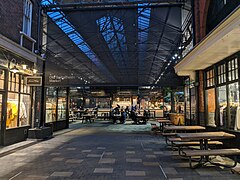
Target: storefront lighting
{"points": [[175, 55], [34, 71], [24, 66], [14, 69]]}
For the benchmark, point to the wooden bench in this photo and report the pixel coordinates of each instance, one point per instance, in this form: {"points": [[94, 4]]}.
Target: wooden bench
{"points": [[167, 135], [181, 144], [213, 152]]}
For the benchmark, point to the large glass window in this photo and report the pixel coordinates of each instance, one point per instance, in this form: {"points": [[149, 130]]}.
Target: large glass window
{"points": [[211, 107], [221, 73], [62, 103], [2, 73], [27, 17], [233, 70], [51, 104], [24, 110], [210, 78], [18, 102], [12, 110], [222, 105], [234, 103]]}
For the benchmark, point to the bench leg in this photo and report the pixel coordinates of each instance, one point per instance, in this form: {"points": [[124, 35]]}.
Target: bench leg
{"points": [[199, 163]]}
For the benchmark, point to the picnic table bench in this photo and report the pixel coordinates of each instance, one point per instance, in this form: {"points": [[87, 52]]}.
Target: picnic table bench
{"points": [[204, 139], [211, 152]]}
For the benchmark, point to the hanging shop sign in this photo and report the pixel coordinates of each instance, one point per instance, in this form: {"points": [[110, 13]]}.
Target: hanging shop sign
{"points": [[34, 81]]}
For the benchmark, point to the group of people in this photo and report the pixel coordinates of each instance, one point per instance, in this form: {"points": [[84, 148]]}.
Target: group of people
{"points": [[122, 114]]}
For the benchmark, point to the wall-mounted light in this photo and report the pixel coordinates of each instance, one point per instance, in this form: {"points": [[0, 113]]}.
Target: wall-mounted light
{"points": [[34, 71], [14, 69], [24, 66]]}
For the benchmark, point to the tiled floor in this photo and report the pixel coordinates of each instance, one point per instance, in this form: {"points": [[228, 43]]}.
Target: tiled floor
{"points": [[101, 151]]}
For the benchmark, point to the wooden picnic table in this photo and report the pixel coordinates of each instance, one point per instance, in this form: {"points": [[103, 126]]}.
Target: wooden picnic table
{"points": [[87, 117], [204, 152], [183, 128], [163, 123]]}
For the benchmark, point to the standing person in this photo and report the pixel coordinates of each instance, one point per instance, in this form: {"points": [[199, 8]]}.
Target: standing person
{"points": [[127, 112]]}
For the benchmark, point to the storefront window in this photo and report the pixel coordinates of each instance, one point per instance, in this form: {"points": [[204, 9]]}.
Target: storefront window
{"points": [[12, 110], [221, 74], [211, 107], [210, 78], [51, 104], [232, 70], [234, 104], [2, 73], [222, 104], [24, 110], [62, 104], [18, 110], [62, 108], [187, 101]]}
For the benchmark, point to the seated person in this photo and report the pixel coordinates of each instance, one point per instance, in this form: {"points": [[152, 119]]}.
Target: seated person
{"points": [[134, 117]]}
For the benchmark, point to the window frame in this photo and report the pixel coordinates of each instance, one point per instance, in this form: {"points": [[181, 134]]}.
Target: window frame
{"points": [[27, 17]]}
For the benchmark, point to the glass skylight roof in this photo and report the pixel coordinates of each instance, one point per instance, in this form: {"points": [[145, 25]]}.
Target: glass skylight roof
{"points": [[113, 32], [144, 14], [59, 18]]}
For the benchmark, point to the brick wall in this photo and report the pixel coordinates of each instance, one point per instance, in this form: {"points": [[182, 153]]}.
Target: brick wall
{"points": [[200, 12], [11, 20]]}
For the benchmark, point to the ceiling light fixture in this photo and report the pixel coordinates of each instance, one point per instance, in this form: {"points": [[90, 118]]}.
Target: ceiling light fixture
{"points": [[14, 69]]}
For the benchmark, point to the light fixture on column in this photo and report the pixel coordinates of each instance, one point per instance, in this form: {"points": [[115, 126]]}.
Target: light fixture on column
{"points": [[34, 71], [24, 66], [14, 69]]}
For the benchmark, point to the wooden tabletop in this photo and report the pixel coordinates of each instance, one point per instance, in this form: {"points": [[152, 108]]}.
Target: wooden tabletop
{"points": [[163, 121], [183, 128], [205, 135]]}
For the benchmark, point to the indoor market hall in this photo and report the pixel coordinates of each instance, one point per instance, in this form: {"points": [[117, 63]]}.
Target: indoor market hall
{"points": [[119, 89]]}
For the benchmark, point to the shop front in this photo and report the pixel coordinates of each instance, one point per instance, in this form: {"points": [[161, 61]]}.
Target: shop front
{"points": [[213, 68], [15, 97], [222, 94], [56, 114]]}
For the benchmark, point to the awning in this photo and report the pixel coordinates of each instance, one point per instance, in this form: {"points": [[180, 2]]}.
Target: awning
{"points": [[222, 42]]}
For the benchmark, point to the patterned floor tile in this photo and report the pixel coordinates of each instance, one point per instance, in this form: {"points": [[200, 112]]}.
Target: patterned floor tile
{"points": [[73, 161], [130, 152], [57, 159], [62, 174], [150, 163], [133, 160], [107, 161], [94, 155], [151, 156], [86, 151], [135, 173], [103, 170]]}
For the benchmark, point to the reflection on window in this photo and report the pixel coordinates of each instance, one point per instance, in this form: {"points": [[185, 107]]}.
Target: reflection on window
{"points": [[51, 103], [222, 104], [2, 73], [210, 78], [12, 110], [234, 103], [221, 74], [24, 111], [62, 108], [232, 70], [211, 107]]}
